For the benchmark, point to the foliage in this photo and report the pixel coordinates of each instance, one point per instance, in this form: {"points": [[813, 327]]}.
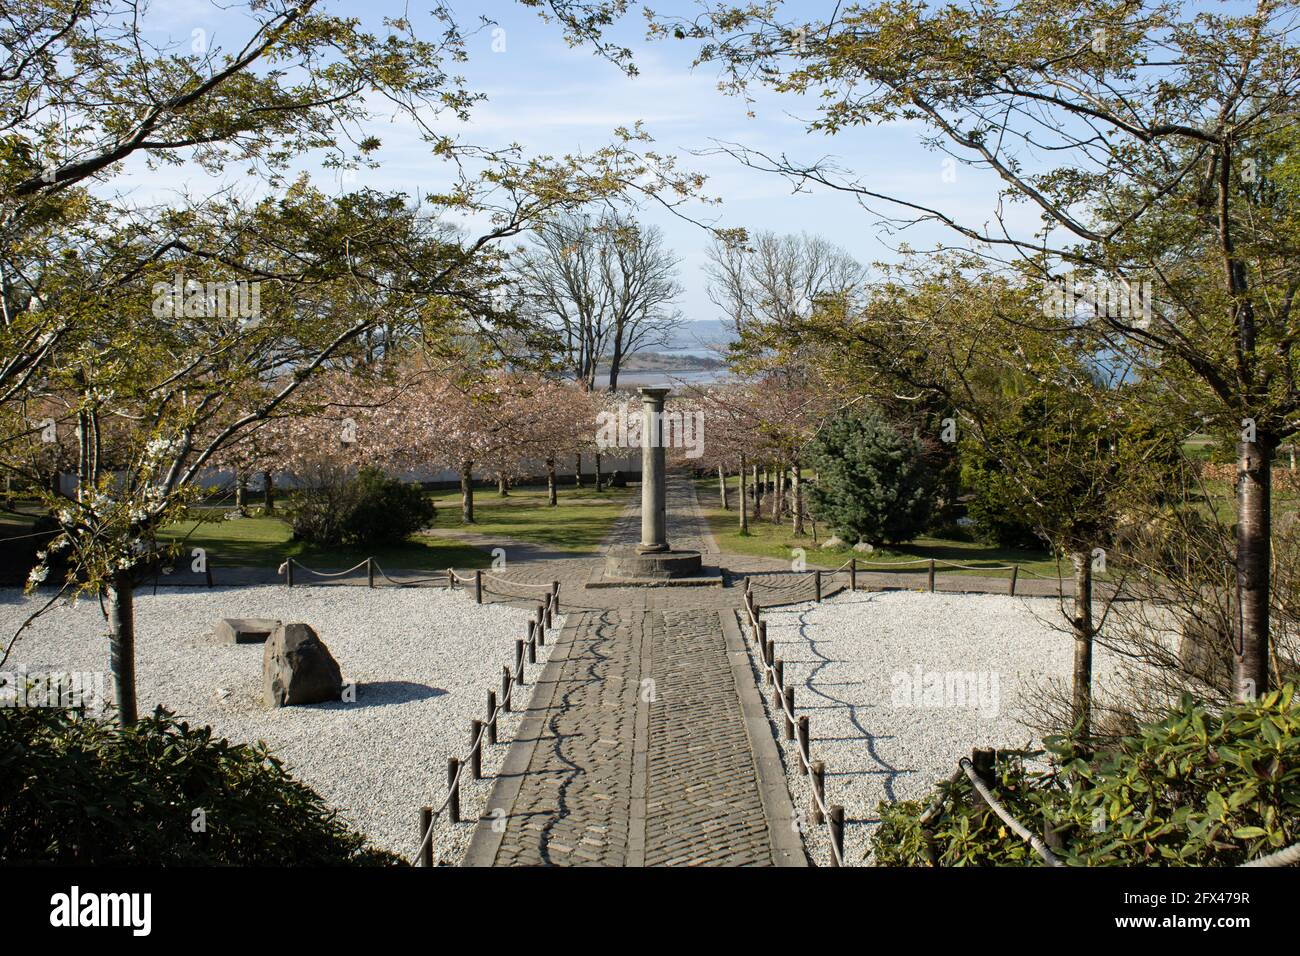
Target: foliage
{"points": [[367, 509], [1197, 788], [873, 484], [80, 790]]}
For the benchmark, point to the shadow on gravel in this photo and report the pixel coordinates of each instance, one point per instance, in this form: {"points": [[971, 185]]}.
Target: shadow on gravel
{"points": [[383, 693]]}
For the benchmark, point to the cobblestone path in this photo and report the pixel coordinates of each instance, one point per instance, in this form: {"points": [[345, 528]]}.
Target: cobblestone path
{"points": [[645, 742]]}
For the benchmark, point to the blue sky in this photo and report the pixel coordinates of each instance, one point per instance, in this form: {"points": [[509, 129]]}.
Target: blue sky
{"points": [[551, 98]]}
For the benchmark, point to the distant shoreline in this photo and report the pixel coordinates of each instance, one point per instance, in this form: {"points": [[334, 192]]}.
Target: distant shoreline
{"points": [[665, 362]]}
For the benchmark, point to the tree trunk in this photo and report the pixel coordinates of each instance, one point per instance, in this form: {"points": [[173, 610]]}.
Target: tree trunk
{"points": [[778, 490], [577, 470], [241, 493], [1254, 522], [503, 487], [467, 492], [1081, 712], [796, 497], [120, 600], [615, 365], [550, 482], [268, 492], [758, 496], [744, 505], [722, 487], [598, 485]]}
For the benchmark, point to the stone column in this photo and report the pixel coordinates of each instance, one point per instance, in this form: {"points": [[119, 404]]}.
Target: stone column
{"points": [[654, 519]]}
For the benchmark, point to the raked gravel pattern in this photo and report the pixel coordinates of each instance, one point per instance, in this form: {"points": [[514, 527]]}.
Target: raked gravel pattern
{"points": [[854, 661], [423, 660]]}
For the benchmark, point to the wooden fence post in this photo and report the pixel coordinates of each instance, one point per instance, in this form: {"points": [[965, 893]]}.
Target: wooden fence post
{"points": [[555, 595], [534, 628], [478, 586], [837, 831], [803, 741], [519, 662], [1015, 573], [492, 717], [762, 642], [453, 784], [817, 585], [771, 655], [451, 580], [788, 694], [426, 849], [476, 755], [932, 574], [853, 574], [505, 689], [778, 683], [819, 791], [288, 570], [982, 760], [550, 620]]}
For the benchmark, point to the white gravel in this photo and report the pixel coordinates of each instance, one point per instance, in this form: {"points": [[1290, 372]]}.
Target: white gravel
{"points": [[423, 661], [853, 661]]}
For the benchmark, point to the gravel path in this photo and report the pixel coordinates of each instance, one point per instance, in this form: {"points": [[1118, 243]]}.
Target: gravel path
{"points": [[900, 685], [423, 660]]}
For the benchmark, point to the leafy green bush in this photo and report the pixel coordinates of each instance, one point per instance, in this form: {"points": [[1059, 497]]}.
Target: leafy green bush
{"points": [[368, 509], [79, 790], [1196, 789], [874, 483]]}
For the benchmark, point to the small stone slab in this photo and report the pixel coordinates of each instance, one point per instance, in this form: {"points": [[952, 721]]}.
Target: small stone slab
{"points": [[707, 578], [245, 630]]}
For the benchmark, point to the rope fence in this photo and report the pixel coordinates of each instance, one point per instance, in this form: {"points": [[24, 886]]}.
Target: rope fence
{"points": [[525, 653], [796, 729], [852, 566], [449, 578]]}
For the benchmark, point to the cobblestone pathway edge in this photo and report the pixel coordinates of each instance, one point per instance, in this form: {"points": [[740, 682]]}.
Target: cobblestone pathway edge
{"points": [[785, 847]]}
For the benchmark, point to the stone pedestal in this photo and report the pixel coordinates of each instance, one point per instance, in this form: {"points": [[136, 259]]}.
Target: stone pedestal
{"points": [[654, 517], [653, 561]]}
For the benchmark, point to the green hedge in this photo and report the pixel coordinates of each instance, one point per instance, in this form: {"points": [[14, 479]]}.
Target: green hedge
{"points": [[1196, 789], [78, 790]]}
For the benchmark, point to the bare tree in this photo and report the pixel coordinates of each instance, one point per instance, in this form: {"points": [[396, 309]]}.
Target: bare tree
{"points": [[778, 279], [607, 289]]}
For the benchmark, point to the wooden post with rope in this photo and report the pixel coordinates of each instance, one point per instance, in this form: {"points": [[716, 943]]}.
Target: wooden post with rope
{"points": [[453, 784], [426, 849]]}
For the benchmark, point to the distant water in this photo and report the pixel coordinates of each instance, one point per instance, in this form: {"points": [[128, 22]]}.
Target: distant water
{"points": [[664, 376]]}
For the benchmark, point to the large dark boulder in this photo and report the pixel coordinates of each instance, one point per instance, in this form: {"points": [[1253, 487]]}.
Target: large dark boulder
{"points": [[297, 668]]}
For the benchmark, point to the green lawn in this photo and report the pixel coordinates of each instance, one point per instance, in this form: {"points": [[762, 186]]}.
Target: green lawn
{"points": [[777, 541], [264, 542], [578, 523]]}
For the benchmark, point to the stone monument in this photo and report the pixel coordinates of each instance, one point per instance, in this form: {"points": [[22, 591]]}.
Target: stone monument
{"points": [[653, 560]]}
